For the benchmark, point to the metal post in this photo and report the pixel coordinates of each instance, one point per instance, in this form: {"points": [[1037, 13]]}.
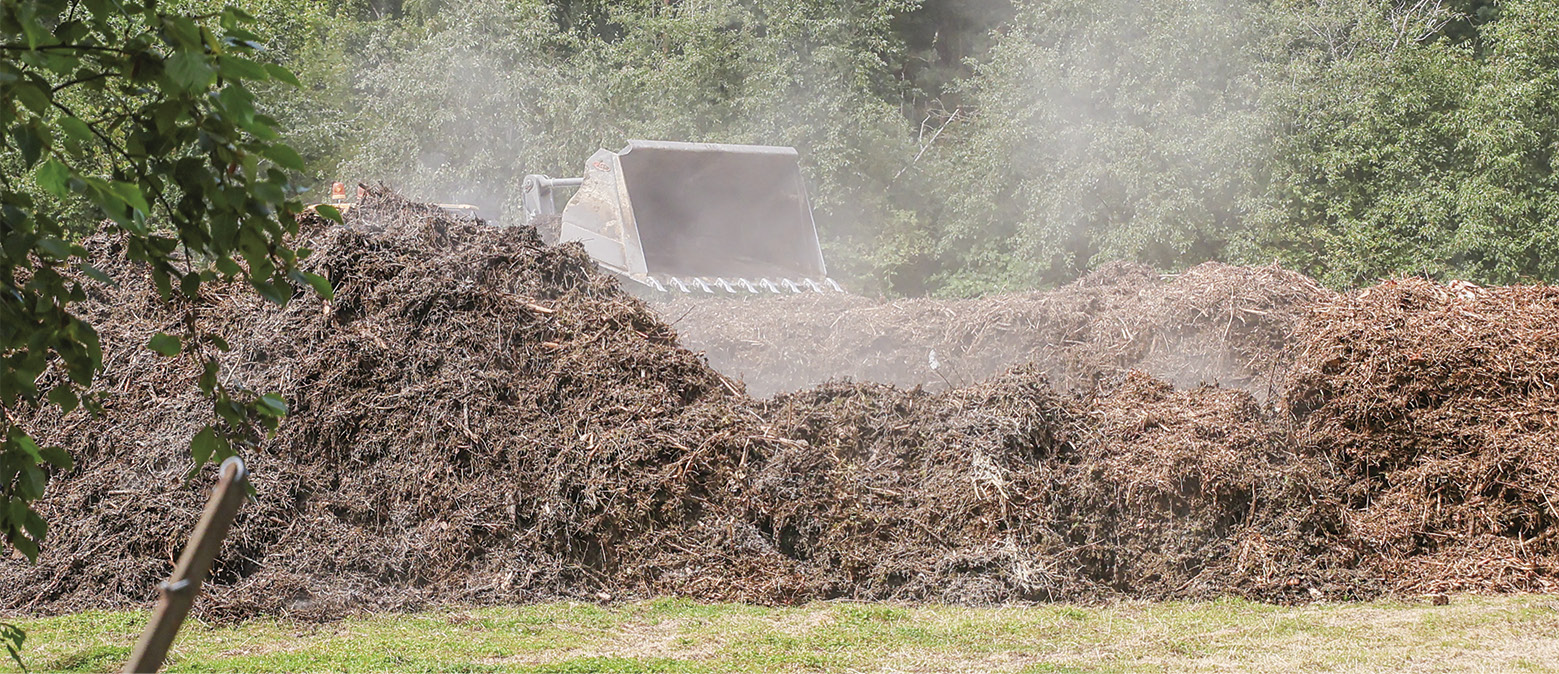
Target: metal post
{"points": [[179, 592]]}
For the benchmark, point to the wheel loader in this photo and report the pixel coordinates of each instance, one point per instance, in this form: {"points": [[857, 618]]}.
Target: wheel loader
{"points": [[691, 217]]}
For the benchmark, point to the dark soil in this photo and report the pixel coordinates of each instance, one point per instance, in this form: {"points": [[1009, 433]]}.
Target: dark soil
{"points": [[481, 418]]}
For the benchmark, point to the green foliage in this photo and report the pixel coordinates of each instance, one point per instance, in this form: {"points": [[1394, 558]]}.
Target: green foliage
{"points": [[964, 146], [146, 118], [1104, 130], [1349, 140], [1428, 156], [458, 105]]}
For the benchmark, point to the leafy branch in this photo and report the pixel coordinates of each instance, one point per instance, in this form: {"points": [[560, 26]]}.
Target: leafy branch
{"points": [[179, 130]]}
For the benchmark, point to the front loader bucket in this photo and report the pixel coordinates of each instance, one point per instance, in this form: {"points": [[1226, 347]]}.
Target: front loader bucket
{"points": [[691, 216]]}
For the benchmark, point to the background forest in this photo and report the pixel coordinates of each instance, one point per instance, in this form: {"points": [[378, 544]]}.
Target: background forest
{"points": [[956, 147]]}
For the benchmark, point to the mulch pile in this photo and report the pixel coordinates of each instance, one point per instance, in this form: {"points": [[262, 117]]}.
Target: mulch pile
{"points": [[1215, 323], [1441, 402], [479, 417], [1009, 491]]}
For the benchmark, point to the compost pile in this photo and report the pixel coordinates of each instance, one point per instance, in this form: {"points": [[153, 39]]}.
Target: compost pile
{"points": [[1215, 323], [1440, 401], [1009, 491], [478, 417], [474, 415]]}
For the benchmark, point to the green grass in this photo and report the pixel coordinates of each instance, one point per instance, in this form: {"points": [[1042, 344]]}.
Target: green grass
{"points": [[1519, 633]]}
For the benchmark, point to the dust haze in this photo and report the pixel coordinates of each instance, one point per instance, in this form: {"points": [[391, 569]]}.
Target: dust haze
{"points": [[1091, 86], [463, 113]]}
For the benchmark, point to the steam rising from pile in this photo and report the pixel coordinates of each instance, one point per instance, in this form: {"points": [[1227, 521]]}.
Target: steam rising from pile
{"points": [[1215, 323]]}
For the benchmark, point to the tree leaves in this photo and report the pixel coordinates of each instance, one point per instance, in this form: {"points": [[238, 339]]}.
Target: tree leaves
{"points": [[190, 70], [96, 274], [20, 460], [77, 130], [54, 178], [33, 93], [31, 140], [1427, 156], [240, 68], [57, 457], [282, 74], [167, 345], [64, 398], [273, 405], [284, 156], [144, 118], [205, 445], [320, 284], [328, 212]]}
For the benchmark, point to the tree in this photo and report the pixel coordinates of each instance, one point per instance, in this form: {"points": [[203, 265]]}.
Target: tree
{"points": [[1099, 131], [147, 119], [1429, 154], [460, 105]]}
